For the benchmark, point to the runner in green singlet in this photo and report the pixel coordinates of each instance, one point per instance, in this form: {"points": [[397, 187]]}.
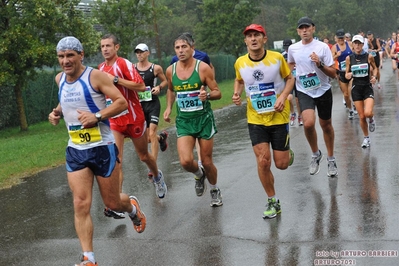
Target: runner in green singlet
{"points": [[186, 85]]}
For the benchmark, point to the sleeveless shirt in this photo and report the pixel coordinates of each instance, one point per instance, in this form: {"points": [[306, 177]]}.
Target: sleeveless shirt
{"points": [[188, 104], [150, 80], [344, 54], [80, 95], [360, 60]]}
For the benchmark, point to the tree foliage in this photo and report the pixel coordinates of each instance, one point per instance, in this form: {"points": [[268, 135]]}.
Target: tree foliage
{"points": [[29, 32], [379, 16], [223, 24], [179, 16], [129, 20], [30, 29]]}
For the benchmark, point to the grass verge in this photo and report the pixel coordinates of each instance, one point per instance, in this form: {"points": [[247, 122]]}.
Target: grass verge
{"points": [[23, 154]]}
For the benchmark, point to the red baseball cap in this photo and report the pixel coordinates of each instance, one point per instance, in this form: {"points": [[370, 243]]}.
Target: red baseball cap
{"points": [[255, 27]]}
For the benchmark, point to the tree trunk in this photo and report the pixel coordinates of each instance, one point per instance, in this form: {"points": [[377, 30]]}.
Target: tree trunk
{"points": [[20, 106], [158, 45]]}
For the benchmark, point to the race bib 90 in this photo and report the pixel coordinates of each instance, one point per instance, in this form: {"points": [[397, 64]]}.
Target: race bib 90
{"points": [[81, 136]]}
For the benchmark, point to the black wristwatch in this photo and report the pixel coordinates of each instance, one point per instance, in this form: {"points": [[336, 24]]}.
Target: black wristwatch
{"points": [[208, 96], [98, 116], [116, 80], [321, 65]]}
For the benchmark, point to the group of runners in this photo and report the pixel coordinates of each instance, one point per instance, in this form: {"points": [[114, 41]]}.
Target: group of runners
{"points": [[101, 107]]}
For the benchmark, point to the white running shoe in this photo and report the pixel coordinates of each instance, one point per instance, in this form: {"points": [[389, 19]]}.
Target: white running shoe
{"points": [[292, 119], [332, 169], [160, 187], [314, 167], [350, 116], [372, 124], [366, 143]]}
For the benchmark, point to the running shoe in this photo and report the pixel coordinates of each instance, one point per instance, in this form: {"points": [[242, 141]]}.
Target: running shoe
{"points": [[366, 143], [114, 214], [300, 120], [350, 116], [292, 119], [272, 208], [163, 145], [200, 186], [292, 155], [216, 197], [314, 167], [85, 262], [332, 169], [139, 220], [160, 187], [371, 124]]}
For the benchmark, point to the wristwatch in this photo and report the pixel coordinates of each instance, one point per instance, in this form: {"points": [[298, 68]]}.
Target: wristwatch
{"points": [[116, 80], [98, 116], [208, 96], [321, 65]]}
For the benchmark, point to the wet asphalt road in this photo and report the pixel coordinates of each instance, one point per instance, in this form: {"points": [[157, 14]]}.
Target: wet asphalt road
{"points": [[349, 218]]}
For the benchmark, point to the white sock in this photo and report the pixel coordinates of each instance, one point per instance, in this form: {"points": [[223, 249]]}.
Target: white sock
{"points": [[199, 172], [317, 153], [134, 211], [273, 197], [89, 255]]}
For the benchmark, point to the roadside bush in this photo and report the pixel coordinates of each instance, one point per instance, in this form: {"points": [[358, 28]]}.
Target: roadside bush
{"points": [[41, 94]]}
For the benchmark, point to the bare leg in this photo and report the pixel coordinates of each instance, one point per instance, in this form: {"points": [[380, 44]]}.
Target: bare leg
{"points": [[329, 135], [141, 147], [309, 119], [206, 148], [153, 139]]}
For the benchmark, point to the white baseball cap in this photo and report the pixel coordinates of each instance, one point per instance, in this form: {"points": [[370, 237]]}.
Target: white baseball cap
{"points": [[359, 38], [142, 47]]}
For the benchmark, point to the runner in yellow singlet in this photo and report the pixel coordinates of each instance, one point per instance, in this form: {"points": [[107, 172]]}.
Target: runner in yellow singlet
{"points": [[267, 81]]}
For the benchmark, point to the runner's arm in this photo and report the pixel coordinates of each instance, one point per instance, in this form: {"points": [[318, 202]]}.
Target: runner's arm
{"points": [[208, 78], [348, 73], [103, 84], [373, 78], [170, 95], [238, 89], [158, 71]]}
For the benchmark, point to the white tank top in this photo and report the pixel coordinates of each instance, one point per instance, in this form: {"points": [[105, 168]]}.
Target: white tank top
{"points": [[80, 95]]}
